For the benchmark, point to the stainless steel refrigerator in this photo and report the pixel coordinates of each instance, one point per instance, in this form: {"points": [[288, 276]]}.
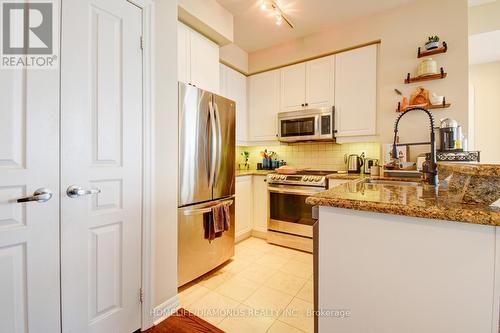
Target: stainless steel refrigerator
{"points": [[206, 178]]}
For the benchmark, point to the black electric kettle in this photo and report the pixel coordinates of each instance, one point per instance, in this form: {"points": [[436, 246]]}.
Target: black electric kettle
{"points": [[354, 162]]}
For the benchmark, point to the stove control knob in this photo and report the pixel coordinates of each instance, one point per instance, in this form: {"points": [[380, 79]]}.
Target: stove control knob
{"points": [[317, 179], [305, 178], [283, 177]]}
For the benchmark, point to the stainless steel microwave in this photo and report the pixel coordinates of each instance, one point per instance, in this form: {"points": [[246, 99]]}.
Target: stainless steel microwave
{"points": [[307, 125]]}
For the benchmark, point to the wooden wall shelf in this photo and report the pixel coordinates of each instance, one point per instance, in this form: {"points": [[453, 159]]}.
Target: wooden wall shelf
{"points": [[439, 50], [429, 106], [439, 76]]}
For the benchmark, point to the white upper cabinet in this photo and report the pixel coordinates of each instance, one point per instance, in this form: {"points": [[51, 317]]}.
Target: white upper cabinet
{"points": [[233, 85], [320, 87], [356, 92], [293, 87], [308, 85], [263, 102], [183, 53], [198, 59]]}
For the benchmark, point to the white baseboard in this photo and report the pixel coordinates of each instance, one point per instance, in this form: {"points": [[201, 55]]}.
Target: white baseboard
{"points": [[165, 309], [259, 234], [243, 236]]}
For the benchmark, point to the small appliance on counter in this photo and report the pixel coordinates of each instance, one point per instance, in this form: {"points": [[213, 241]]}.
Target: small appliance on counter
{"points": [[368, 164], [450, 135], [354, 162]]}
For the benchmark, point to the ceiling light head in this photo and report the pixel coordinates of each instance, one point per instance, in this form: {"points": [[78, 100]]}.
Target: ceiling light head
{"points": [[273, 7], [265, 5]]}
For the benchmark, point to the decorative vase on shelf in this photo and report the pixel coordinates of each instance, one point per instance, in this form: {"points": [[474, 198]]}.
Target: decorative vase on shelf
{"points": [[427, 67], [431, 46]]}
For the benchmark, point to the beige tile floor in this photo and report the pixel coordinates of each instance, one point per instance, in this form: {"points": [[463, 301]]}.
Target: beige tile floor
{"points": [[264, 288]]}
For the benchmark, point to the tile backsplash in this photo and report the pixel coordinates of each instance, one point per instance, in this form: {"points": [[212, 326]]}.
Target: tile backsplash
{"points": [[316, 155]]}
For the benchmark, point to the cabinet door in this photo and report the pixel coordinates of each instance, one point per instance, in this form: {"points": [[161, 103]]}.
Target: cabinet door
{"points": [[234, 87], [244, 198], [356, 92], [320, 82], [260, 203], [204, 63], [293, 87], [183, 53], [263, 106]]}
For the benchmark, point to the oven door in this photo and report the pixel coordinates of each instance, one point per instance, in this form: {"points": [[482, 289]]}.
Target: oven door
{"points": [[288, 211], [304, 128]]}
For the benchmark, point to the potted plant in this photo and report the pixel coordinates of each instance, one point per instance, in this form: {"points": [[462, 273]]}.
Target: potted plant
{"points": [[432, 43], [246, 156]]}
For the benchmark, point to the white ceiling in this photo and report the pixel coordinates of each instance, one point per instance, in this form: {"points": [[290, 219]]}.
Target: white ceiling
{"points": [[473, 3], [484, 47], [254, 30]]}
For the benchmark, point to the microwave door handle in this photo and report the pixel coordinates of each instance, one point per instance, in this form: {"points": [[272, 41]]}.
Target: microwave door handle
{"points": [[219, 143], [333, 124], [317, 130], [212, 159]]}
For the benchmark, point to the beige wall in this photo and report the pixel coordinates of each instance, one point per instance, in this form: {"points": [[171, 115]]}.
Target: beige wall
{"points": [[484, 18], [401, 31], [485, 78], [323, 156], [209, 18], [165, 153], [233, 55]]}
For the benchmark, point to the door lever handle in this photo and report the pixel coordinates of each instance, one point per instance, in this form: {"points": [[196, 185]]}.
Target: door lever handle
{"points": [[75, 191], [40, 195]]}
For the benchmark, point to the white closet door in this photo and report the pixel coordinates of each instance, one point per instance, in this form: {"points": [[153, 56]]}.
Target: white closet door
{"points": [[29, 232], [101, 142]]}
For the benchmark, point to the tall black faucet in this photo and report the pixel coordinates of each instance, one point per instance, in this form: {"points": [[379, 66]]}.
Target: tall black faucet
{"points": [[432, 167]]}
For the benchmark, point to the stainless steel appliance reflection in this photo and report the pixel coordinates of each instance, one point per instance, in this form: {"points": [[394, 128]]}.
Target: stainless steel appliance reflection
{"points": [[206, 178], [291, 220], [307, 125]]}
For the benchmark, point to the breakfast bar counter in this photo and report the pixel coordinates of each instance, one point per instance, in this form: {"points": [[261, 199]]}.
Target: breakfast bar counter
{"points": [[401, 256], [401, 199]]}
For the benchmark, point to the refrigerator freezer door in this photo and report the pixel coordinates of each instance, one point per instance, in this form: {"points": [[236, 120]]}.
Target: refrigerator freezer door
{"points": [[197, 255], [225, 111], [195, 156]]}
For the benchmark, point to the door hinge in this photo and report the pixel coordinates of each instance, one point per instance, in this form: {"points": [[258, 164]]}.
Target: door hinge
{"points": [[142, 43], [141, 295]]}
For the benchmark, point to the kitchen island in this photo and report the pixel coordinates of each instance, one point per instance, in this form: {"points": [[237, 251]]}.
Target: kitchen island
{"points": [[404, 257]]}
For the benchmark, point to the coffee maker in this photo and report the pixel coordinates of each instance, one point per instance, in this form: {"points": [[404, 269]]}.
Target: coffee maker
{"points": [[449, 134]]}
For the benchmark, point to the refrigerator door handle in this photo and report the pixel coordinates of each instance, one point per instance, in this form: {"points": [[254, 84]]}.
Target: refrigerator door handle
{"points": [[206, 209], [213, 152], [219, 142]]}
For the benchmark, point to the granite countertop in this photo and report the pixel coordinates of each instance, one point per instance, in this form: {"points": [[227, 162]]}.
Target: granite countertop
{"points": [[240, 173], [419, 201], [352, 176]]}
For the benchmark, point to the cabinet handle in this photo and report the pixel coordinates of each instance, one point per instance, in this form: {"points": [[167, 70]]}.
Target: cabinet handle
{"points": [[307, 104], [302, 105]]}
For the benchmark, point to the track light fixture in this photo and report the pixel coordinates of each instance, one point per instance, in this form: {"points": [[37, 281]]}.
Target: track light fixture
{"points": [[272, 6]]}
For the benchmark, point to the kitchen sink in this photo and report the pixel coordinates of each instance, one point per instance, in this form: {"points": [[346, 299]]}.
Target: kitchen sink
{"points": [[392, 182]]}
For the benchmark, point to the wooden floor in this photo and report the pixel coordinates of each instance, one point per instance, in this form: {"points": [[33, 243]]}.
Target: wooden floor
{"points": [[184, 321]]}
